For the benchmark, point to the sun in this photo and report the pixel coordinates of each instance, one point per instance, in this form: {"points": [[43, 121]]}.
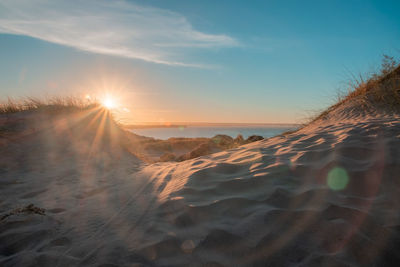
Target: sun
{"points": [[108, 103]]}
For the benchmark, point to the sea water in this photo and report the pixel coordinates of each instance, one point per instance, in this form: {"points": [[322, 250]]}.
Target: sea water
{"points": [[210, 131]]}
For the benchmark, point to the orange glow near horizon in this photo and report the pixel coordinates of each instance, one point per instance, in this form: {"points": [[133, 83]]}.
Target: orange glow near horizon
{"points": [[133, 102]]}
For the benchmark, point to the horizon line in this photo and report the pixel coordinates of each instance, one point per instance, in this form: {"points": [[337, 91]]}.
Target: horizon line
{"points": [[177, 124]]}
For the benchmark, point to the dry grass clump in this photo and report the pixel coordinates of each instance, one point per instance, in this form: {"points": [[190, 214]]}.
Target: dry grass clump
{"points": [[54, 104], [10, 110], [381, 89]]}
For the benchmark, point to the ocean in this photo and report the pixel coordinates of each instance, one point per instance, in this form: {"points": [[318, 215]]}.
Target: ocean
{"points": [[210, 131]]}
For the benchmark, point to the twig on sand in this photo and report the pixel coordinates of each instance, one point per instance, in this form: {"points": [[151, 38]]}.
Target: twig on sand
{"points": [[28, 209]]}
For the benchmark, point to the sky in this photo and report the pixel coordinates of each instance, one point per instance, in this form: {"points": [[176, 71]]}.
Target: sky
{"points": [[195, 61]]}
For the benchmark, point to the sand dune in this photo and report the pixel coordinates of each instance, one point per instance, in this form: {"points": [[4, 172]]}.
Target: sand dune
{"points": [[271, 204], [264, 204], [326, 195]]}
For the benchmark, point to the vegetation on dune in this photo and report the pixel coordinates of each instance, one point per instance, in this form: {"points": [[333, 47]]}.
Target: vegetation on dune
{"points": [[54, 104], [380, 88], [16, 115], [383, 87]]}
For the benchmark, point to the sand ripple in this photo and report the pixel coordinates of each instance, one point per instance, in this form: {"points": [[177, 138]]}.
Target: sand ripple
{"points": [[327, 195]]}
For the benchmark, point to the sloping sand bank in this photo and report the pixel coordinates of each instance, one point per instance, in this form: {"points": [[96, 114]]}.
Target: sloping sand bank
{"points": [[327, 195]]}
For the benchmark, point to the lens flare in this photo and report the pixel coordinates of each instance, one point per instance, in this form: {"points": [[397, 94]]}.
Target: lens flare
{"points": [[337, 179]]}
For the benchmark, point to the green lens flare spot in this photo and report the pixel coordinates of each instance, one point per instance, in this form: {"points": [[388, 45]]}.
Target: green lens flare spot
{"points": [[181, 128], [337, 178]]}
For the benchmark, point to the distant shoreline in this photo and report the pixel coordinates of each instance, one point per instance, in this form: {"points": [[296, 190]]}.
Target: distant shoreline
{"points": [[207, 124]]}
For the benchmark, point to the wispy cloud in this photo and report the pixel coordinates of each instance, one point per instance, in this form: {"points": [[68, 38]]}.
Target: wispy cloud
{"points": [[117, 28]]}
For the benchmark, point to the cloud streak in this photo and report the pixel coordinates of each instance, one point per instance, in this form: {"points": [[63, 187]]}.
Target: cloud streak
{"points": [[116, 28]]}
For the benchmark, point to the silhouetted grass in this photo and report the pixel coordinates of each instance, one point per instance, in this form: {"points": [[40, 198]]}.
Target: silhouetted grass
{"points": [[53, 104], [378, 89]]}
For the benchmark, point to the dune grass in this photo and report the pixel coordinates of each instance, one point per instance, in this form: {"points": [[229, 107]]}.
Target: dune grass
{"points": [[377, 89], [381, 88], [53, 104]]}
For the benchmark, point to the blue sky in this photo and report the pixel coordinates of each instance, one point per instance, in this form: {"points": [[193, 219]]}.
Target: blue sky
{"points": [[209, 61]]}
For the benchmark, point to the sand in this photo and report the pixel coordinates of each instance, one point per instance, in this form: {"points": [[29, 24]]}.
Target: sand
{"points": [[326, 195]]}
